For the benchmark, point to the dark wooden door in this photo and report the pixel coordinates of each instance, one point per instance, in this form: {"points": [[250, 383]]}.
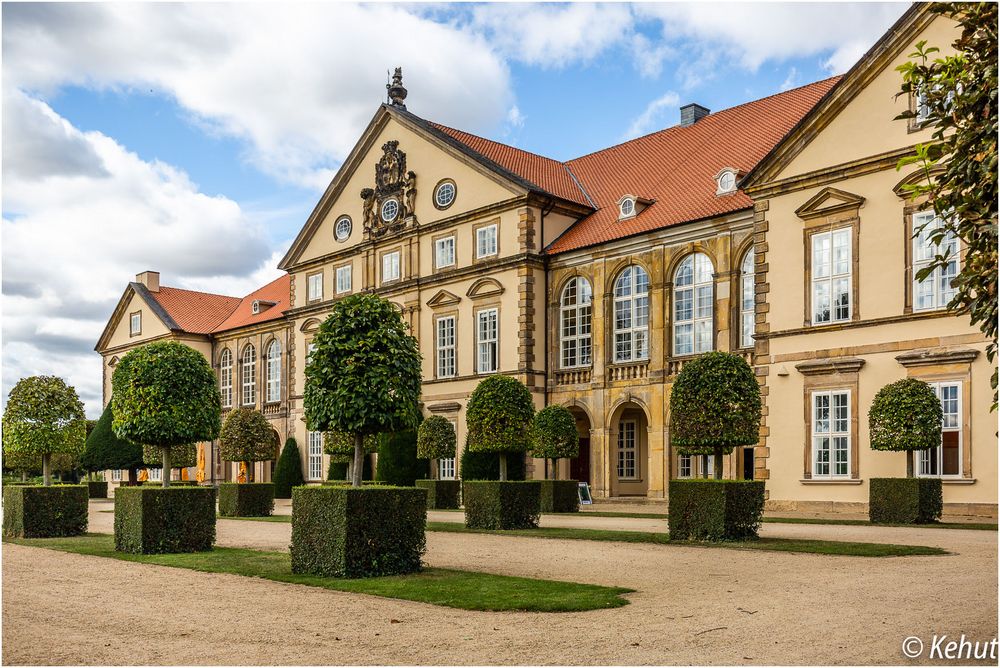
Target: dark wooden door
{"points": [[748, 463], [579, 468]]}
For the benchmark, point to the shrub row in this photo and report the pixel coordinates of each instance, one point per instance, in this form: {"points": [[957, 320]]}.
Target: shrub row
{"points": [[904, 500], [173, 483], [154, 520], [501, 505], [246, 499], [560, 496], [97, 489], [442, 494], [486, 466], [44, 512], [715, 509]]}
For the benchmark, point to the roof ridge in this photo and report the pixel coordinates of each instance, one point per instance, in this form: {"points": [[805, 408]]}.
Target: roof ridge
{"points": [[200, 292], [494, 141]]}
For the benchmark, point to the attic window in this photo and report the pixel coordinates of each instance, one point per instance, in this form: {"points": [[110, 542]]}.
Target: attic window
{"points": [[256, 307], [725, 181], [261, 305], [626, 208]]}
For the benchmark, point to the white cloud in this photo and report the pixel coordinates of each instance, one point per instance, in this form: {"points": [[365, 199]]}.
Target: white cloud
{"points": [[653, 117], [791, 81]]}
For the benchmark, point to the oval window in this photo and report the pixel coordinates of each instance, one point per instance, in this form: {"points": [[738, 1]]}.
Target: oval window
{"points": [[342, 229]]}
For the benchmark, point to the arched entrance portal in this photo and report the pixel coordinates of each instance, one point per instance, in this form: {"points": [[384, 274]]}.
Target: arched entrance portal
{"points": [[628, 447], [579, 468]]}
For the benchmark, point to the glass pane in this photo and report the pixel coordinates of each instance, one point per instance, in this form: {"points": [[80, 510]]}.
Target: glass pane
{"points": [[641, 311], [702, 269], [623, 286], [821, 255], [683, 304], [683, 339], [704, 309], [950, 464], [821, 302], [703, 335]]}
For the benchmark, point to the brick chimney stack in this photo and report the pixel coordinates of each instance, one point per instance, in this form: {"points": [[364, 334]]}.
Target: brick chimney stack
{"points": [[151, 279]]}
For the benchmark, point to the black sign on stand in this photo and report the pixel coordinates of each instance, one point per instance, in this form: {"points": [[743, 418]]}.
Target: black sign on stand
{"points": [[584, 492]]}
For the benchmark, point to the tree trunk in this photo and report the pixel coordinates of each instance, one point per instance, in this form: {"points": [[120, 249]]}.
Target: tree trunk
{"points": [[359, 452], [46, 474], [249, 466], [909, 463], [503, 466], [555, 468], [132, 472], [434, 469], [718, 463], [165, 475]]}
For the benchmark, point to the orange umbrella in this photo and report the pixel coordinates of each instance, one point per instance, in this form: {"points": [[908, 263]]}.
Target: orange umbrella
{"points": [[200, 475]]}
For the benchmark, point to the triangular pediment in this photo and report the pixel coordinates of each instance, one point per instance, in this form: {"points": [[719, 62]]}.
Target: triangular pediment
{"points": [[135, 297], [485, 287], [443, 298], [829, 201]]}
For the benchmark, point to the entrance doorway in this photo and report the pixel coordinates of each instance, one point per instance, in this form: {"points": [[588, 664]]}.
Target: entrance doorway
{"points": [[629, 452], [579, 468]]}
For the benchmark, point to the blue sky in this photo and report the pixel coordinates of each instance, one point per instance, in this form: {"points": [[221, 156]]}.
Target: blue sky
{"points": [[195, 139]]}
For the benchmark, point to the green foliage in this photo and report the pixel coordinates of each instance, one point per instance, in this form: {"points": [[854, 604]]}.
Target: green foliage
{"points": [[714, 406], [560, 496], [97, 489], [251, 499], [553, 434], [486, 466], [105, 451], [247, 436], [22, 461], [442, 494], [337, 470], [347, 531], [288, 470], [164, 394], [397, 462], [41, 512], [904, 500], [905, 415], [341, 445], [501, 505], [43, 416], [715, 509], [154, 520], [436, 438], [181, 456], [959, 164], [499, 415]]}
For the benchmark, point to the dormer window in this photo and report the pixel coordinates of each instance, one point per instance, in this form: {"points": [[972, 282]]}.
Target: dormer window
{"points": [[626, 207], [261, 305], [256, 307], [725, 181]]}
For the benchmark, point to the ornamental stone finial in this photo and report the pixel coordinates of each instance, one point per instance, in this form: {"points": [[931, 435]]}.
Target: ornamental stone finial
{"points": [[397, 93]]}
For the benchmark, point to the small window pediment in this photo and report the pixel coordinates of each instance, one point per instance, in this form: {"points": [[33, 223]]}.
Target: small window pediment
{"points": [[829, 201], [443, 298], [484, 287]]}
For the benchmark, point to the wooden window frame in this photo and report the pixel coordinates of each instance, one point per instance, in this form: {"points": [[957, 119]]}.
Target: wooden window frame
{"points": [[381, 265], [132, 332], [478, 341], [475, 241], [823, 225], [310, 299], [831, 382]]}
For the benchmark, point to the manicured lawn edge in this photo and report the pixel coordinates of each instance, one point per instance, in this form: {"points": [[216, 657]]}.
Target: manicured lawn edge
{"points": [[466, 590]]}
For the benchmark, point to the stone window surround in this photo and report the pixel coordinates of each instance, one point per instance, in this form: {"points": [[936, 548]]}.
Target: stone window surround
{"points": [[381, 265], [909, 210], [486, 306], [439, 316], [475, 240], [309, 277], [831, 223], [131, 331], [454, 255], [827, 375]]}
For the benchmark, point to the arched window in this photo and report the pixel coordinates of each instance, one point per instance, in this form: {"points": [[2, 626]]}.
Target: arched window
{"points": [[574, 322], [249, 375], [746, 300], [226, 377], [694, 298], [274, 371], [632, 315]]}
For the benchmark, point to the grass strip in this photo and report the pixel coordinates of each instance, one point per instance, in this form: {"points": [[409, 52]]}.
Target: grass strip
{"points": [[975, 526], [467, 590]]}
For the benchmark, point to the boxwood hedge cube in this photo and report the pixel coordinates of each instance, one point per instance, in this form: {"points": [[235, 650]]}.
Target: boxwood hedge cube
{"points": [[560, 496], [154, 520], [715, 509], [251, 499], [904, 500], [492, 504], [97, 489], [358, 532], [32, 511], [442, 494]]}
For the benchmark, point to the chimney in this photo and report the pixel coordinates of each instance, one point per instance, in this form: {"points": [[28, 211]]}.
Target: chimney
{"points": [[151, 279], [692, 113]]}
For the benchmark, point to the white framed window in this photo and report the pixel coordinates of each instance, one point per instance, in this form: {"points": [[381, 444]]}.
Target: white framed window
{"points": [[446, 468], [694, 305], [726, 182], [445, 345], [310, 347], [631, 313], [343, 276], [248, 375], [831, 276], [226, 377], [746, 300], [626, 208], [155, 475], [116, 475], [444, 252], [390, 266], [831, 434], [487, 348], [935, 291], [315, 455], [135, 324], [696, 466], [575, 310], [314, 287], [627, 450], [486, 241], [444, 194], [946, 459], [390, 209], [342, 229], [274, 371], [923, 108]]}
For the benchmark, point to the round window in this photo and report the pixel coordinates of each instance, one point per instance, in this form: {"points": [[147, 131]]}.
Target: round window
{"points": [[627, 207], [727, 182], [390, 209], [342, 229], [444, 195]]}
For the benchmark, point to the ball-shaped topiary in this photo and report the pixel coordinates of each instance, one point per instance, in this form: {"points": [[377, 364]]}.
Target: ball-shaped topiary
{"points": [[499, 416], [165, 394], [715, 406], [436, 439], [248, 437], [554, 435], [44, 416], [905, 415]]}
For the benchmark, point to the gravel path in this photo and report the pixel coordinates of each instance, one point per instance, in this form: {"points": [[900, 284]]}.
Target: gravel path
{"points": [[693, 605]]}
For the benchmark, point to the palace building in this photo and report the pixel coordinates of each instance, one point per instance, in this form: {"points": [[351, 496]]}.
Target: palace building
{"points": [[778, 230]]}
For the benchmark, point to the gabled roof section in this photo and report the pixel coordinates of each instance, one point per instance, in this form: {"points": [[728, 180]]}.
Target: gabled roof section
{"points": [[139, 289], [277, 291], [193, 312]]}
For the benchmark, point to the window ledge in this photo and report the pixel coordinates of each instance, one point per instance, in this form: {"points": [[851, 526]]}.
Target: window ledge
{"points": [[831, 481], [958, 481]]}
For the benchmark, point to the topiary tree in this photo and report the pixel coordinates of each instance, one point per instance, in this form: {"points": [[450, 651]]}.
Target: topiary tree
{"points": [[554, 435], [106, 451], [44, 417], [288, 470], [181, 457], [435, 440], [363, 376], [498, 416], [247, 437], [397, 462], [165, 395], [905, 416], [715, 406], [23, 462]]}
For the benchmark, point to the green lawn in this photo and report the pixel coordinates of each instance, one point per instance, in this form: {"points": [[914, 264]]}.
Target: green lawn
{"points": [[467, 590], [976, 526]]}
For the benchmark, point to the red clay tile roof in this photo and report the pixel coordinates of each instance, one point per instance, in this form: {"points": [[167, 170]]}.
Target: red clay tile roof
{"points": [[195, 312], [278, 290]]}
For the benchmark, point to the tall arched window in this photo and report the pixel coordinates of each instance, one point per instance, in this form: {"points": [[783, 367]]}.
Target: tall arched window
{"points": [[746, 300], [632, 315], [574, 322], [694, 298], [226, 377], [274, 371], [248, 375]]}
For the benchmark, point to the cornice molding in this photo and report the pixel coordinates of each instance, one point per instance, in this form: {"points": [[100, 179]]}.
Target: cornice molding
{"points": [[934, 357], [823, 367], [829, 201], [445, 407]]}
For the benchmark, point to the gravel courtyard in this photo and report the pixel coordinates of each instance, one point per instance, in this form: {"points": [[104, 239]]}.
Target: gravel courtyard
{"points": [[692, 605]]}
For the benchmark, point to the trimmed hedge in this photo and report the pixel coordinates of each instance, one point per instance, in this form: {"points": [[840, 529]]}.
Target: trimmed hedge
{"points": [[246, 499], [904, 500], [288, 471], [173, 483], [486, 466], [501, 505], [97, 489], [442, 494], [44, 512], [715, 509], [156, 520], [358, 532], [560, 496]]}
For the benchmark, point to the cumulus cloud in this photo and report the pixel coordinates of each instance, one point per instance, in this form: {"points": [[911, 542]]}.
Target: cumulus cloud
{"points": [[653, 116]]}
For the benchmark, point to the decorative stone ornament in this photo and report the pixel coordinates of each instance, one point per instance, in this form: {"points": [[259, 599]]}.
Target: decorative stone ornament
{"points": [[397, 93], [390, 205]]}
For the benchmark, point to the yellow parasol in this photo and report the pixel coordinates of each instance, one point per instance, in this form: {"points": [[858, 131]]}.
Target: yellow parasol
{"points": [[143, 475]]}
